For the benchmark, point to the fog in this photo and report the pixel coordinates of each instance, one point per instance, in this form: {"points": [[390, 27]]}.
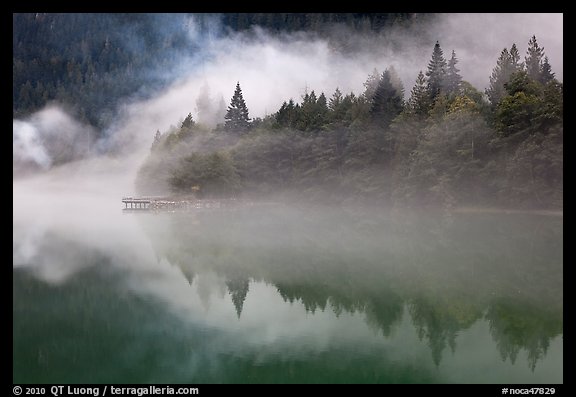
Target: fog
{"points": [[292, 262], [68, 218], [77, 186], [274, 68]]}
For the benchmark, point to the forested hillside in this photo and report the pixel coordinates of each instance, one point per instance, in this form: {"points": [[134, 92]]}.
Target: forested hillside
{"points": [[443, 144], [91, 62], [441, 141]]}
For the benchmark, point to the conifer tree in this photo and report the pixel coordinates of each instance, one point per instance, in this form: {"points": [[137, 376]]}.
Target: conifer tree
{"points": [[188, 122], [515, 59], [453, 78], [156, 141], [436, 72], [396, 81], [387, 102], [335, 101], [371, 84], [236, 118], [500, 76], [533, 59], [546, 74], [419, 103]]}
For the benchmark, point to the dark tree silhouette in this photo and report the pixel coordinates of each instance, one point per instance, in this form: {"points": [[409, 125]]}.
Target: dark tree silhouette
{"points": [[237, 118], [387, 102]]}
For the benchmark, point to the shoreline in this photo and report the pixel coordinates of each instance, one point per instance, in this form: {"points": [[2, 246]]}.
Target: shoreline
{"points": [[468, 210], [165, 202]]}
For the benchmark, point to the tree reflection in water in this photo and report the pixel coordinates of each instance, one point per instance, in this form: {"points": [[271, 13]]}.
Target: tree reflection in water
{"points": [[449, 272]]}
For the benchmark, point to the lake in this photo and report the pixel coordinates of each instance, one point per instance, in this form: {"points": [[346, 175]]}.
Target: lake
{"points": [[276, 293]]}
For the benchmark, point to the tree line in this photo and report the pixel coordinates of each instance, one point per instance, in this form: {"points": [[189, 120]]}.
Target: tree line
{"points": [[447, 144]]}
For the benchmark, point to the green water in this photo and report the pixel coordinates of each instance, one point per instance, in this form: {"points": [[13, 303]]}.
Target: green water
{"points": [[275, 294]]}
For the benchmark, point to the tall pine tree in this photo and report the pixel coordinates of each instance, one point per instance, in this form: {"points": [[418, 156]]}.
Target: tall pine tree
{"points": [[515, 59], [157, 139], [236, 118], [453, 79], [188, 122], [371, 84], [419, 102], [436, 72], [396, 81], [500, 76], [533, 59], [546, 74], [335, 101], [387, 102]]}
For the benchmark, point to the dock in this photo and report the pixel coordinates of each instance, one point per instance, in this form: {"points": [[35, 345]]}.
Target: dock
{"points": [[137, 203], [177, 203], [156, 203]]}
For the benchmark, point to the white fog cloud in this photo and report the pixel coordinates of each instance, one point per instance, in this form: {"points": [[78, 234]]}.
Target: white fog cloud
{"points": [[273, 69], [48, 137]]}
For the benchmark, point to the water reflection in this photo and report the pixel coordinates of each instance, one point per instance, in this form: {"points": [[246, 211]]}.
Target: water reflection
{"points": [[282, 294], [449, 274]]}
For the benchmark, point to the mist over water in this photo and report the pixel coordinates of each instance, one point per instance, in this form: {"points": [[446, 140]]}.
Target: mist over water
{"points": [[244, 295], [274, 292], [220, 295]]}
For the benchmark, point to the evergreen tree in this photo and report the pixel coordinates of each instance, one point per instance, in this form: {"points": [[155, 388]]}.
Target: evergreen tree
{"points": [[335, 101], [396, 81], [321, 111], [312, 113], [188, 122], [236, 118], [436, 72], [337, 107], [500, 76], [387, 103], [321, 103], [546, 74], [238, 289], [533, 59], [286, 115], [371, 84], [515, 59], [517, 110], [419, 103], [309, 105], [156, 141], [453, 78]]}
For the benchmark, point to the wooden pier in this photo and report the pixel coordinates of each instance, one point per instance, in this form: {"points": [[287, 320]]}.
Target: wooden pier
{"points": [[136, 203], [156, 203], [177, 203]]}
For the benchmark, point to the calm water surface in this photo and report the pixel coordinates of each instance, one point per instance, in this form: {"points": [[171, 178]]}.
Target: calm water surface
{"points": [[274, 293]]}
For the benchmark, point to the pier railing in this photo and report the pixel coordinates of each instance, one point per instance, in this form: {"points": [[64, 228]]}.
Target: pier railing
{"points": [[167, 203]]}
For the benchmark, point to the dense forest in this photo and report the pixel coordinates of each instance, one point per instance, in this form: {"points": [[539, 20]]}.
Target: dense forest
{"points": [[90, 62], [84, 73], [448, 144]]}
